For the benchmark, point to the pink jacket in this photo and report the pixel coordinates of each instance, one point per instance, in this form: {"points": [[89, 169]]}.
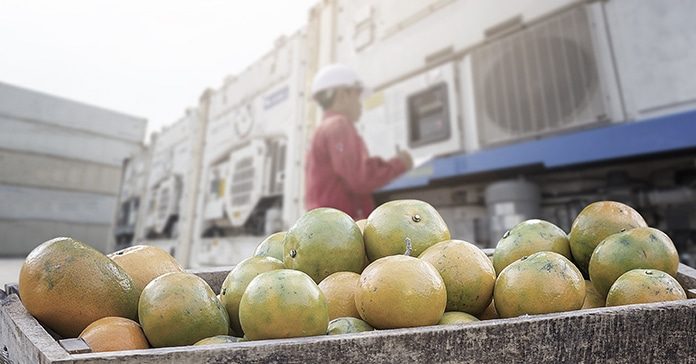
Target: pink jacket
{"points": [[339, 172]]}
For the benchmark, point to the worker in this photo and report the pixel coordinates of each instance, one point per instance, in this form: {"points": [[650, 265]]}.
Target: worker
{"points": [[339, 172]]}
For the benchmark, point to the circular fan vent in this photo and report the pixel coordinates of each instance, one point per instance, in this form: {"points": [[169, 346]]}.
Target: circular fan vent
{"points": [[243, 121], [539, 84]]}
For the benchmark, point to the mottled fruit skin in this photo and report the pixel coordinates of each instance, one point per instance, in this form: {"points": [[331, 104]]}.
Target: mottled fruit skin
{"points": [[324, 241], [643, 247], [218, 339], [400, 291], [457, 318], [282, 304], [391, 223], [144, 263], [467, 272], [339, 290], [489, 313], [67, 285], [596, 222], [527, 238], [644, 286], [272, 246], [179, 309], [238, 279], [348, 325], [114, 334], [592, 298], [544, 282]]}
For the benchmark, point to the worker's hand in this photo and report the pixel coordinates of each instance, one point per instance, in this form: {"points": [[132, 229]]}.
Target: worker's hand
{"points": [[406, 158]]}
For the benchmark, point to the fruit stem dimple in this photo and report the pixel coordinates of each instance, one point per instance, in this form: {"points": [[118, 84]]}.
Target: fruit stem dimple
{"points": [[416, 218], [409, 247], [293, 253]]}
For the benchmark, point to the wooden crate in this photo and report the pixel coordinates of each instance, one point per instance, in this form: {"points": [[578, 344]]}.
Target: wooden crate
{"points": [[655, 333]]}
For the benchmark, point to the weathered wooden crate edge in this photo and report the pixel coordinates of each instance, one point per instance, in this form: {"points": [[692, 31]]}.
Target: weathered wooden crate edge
{"points": [[662, 332]]}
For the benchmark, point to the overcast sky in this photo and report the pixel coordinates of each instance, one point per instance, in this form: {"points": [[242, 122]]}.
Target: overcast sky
{"points": [[149, 58]]}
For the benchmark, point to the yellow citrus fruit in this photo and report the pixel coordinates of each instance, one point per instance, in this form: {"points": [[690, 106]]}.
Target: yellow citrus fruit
{"points": [[527, 238], [114, 334], [543, 282], [390, 224], [178, 309], [457, 318], [218, 339], [596, 222], [339, 290], [642, 247], [67, 285], [592, 298], [324, 241], [348, 325], [361, 225], [467, 272], [144, 263], [272, 246], [400, 291], [238, 279], [489, 313], [644, 286], [281, 304]]}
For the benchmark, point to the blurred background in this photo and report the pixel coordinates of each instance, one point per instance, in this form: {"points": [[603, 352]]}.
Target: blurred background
{"points": [[184, 124]]}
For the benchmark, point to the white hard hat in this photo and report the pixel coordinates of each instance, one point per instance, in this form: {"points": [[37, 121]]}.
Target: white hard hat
{"points": [[333, 76]]}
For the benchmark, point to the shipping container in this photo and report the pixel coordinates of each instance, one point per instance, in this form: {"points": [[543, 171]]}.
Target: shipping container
{"points": [[251, 157], [40, 108], [61, 166]]}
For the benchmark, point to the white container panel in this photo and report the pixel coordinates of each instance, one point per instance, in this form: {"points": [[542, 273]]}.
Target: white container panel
{"points": [[135, 175], [18, 238], [424, 29], [58, 141], [655, 48], [21, 103], [20, 203], [43, 171]]}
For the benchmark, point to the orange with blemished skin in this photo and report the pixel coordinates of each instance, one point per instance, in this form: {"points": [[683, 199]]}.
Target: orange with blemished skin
{"points": [[644, 286], [272, 246], [67, 285], [401, 291], [218, 339], [348, 325], [283, 303], [543, 282], [643, 247], [527, 238], [339, 290], [114, 334], [390, 224], [324, 241], [457, 318], [144, 263], [180, 308], [592, 298], [468, 274], [238, 279], [596, 222], [489, 313]]}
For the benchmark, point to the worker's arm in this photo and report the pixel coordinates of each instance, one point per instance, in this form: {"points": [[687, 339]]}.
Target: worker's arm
{"points": [[361, 173]]}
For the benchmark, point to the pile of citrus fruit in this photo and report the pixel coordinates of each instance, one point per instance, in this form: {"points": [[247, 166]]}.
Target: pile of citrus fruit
{"points": [[331, 275]]}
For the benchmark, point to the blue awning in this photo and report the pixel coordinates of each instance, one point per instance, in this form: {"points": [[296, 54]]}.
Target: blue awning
{"points": [[625, 140]]}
